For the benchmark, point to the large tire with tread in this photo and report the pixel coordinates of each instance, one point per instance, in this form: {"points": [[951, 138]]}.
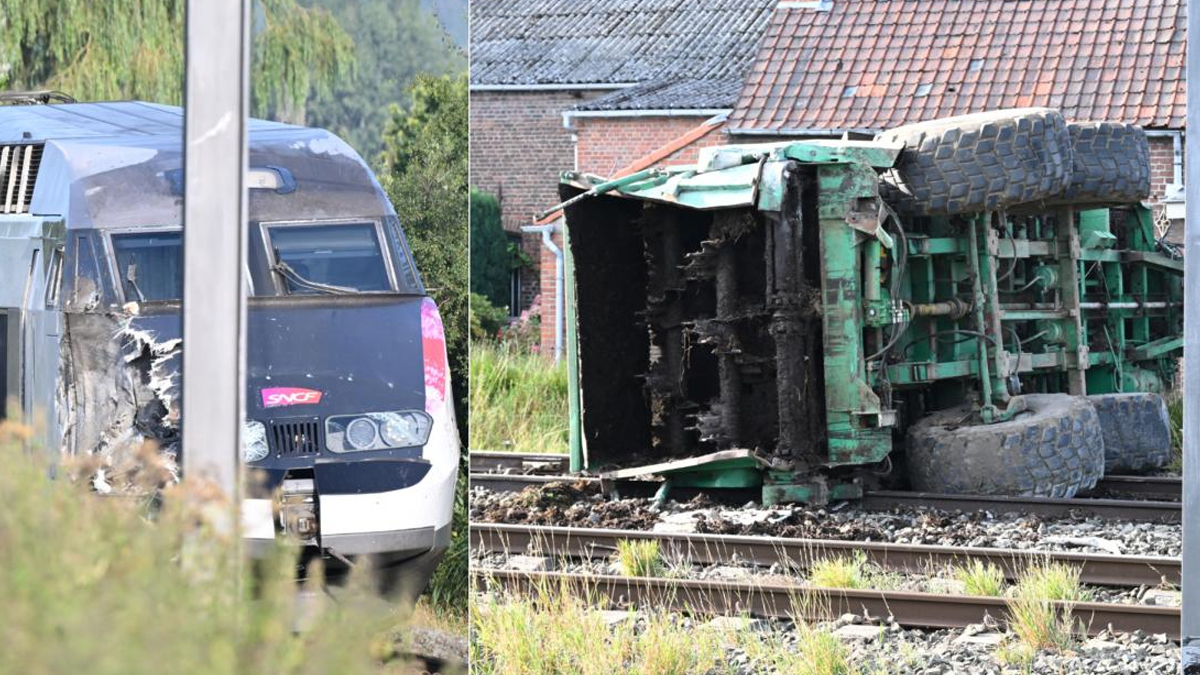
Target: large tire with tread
{"points": [[1110, 163], [1053, 449], [979, 162], [1137, 431]]}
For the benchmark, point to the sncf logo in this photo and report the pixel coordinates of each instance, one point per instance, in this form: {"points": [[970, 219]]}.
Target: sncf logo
{"points": [[276, 397]]}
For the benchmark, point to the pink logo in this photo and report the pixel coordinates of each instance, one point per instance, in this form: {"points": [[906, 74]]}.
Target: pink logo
{"points": [[276, 397]]}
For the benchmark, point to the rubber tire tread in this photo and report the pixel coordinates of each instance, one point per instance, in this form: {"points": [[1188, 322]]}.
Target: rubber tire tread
{"points": [[1054, 449], [1137, 431], [979, 162], [1111, 163]]}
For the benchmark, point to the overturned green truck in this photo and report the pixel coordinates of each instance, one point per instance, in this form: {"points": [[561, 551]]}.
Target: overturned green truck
{"points": [[978, 304]]}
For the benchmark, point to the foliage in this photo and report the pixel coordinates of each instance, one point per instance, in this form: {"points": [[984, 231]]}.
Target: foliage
{"points": [[449, 587], [558, 632], [640, 558], [424, 171], [425, 174], [841, 572], [1175, 416], [1034, 617], [524, 333], [491, 261], [120, 49], [486, 318], [393, 42], [518, 401], [103, 585], [980, 578]]}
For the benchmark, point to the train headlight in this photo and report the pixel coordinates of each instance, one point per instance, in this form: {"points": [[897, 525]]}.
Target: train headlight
{"points": [[254, 441], [361, 433], [377, 431]]}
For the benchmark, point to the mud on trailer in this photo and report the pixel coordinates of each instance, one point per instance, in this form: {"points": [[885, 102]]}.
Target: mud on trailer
{"points": [[971, 305], [350, 433]]}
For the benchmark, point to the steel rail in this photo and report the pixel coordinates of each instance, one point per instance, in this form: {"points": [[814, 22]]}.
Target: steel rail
{"points": [[711, 549], [725, 598], [1164, 488], [882, 500]]}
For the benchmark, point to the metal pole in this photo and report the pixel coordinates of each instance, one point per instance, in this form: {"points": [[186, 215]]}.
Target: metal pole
{"points": [[1190, 629], [216, 100]]}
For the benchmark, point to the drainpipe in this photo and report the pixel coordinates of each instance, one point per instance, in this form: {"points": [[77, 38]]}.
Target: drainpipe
{"points": [[548, 241]]}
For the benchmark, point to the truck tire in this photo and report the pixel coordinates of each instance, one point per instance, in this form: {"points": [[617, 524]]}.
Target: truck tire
{"points": [[1137, 431], [980, 161], [1110, 163], [1054, 449]]}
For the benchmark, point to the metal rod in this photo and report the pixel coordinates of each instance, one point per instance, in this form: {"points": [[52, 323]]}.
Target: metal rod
{"points": [[214, 236], [1191, 369], [985, 379]]}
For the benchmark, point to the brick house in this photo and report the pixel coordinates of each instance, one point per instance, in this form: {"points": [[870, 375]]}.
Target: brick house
{"points": [[557, 86], [828, 68]]}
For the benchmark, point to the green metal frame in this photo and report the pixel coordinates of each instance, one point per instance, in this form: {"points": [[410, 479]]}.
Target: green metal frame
{"points": [[1039, 294]]}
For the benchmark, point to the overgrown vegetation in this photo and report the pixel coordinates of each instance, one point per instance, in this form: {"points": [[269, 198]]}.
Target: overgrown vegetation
{"points": [[424, 170], [561, 633], [491, 261], [640, 558], [393, 42], [518, 401], [847, 572], [1035, 619], [980, 578], [1175, 415], [120, 49], [104, 585]]}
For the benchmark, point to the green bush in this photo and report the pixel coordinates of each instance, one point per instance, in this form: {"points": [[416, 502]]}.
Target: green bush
{"points": [[486, 318], [491, 261]]}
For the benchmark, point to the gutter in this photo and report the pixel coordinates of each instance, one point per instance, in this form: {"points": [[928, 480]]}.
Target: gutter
{"points": [[568, 115], [798, 131], [551, 87], [548, 241]]}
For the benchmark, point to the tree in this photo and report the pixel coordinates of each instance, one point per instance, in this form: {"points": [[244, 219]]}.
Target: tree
{"points": [[118, 49], [491, 262], [394, 40], [424, 169]]}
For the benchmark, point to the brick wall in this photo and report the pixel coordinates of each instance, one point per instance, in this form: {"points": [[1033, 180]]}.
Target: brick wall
{"points": [[1162, 165], [518, 148], [607, 144]]}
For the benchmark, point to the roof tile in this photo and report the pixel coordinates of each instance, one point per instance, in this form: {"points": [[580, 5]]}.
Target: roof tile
{"points": [[1091, 58]]}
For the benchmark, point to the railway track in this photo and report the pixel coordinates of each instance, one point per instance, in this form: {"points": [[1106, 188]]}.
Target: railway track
{"points": [[1134, 510], [572, 542], [735, 598], [1156, 488]]}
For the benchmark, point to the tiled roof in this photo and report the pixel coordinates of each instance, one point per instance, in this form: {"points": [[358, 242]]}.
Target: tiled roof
{"points": [[672, 94], [874, 64], [523, 42]]}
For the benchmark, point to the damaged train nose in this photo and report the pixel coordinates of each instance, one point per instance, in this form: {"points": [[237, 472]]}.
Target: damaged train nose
{"points": [[350, 435]]}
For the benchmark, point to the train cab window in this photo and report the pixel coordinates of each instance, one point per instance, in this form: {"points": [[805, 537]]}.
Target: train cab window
{"points": [[149, 265], [344, 257]]}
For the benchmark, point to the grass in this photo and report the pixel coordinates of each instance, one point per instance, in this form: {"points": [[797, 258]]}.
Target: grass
{"points": [[980, 578], [849, 572], [518, 401], [559, 632], [816, 652], [108, 585], [1034, 618], [1175, 415], [640, 558]]}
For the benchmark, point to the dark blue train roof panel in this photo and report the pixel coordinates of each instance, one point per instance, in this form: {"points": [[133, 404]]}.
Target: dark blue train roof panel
{"points": [[111, 165], [119, 119]]}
